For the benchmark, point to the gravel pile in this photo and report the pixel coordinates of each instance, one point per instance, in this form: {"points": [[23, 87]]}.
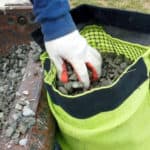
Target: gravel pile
{"points": [[113, 66], [12, 71], [23, 118]]}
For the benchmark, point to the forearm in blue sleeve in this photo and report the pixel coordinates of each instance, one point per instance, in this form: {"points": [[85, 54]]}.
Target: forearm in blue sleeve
{"points": [[54, 17]]}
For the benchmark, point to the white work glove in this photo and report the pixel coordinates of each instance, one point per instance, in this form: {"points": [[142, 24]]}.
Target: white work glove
{"points": [[74, 49]]}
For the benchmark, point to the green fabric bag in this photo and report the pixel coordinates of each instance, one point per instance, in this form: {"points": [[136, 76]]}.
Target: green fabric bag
{"points": [[115, 117]]}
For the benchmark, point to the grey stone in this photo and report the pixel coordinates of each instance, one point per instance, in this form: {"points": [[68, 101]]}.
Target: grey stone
{"points": [[23, 71], [68, 86], [22, 102], [9, 131], [36, 57], [117, 60], [26, 92], [1, 89], [63, 90], [77, 85], [22, 128], [73, 77], [35, 47], [28, 111], [123, 65], [16, 141], [105, 83], [18, 94], [1, 115], [19, 51], [15, 135], [12, 74], [23, 142], [17, 116], [21, 56], [20, 63], [30, 121], [18, 107]]}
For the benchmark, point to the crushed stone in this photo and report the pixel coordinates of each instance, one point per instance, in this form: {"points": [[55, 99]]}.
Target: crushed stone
{"points": [[12, 71], [113, 66], [10, 77], [23, 142]]}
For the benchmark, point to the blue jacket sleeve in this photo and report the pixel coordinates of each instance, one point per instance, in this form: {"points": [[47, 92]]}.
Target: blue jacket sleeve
{"points": [[54, 17]]}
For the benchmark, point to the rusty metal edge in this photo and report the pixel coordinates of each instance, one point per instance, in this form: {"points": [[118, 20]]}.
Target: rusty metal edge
{"points": [[17, 23], [16, 6]]}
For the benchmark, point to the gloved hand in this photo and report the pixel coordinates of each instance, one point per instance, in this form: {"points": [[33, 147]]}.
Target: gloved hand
{"points": [[74, 49]]}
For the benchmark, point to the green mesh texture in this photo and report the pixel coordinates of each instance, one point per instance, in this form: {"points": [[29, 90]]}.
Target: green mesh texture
{"points": [[99, 39], [102, 41]]}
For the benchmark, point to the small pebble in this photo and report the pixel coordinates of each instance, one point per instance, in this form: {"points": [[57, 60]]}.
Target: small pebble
{"points": [[18, 107], [123, 65], [16, 116], [9, 131], [73, 77], [23, 142], [25, 92], [36, 57], [23, 70], [23, 128], [63, 90], [18, 94], [1, 115], [27, 102], [9, 146], [68, 86], [28, 112], [105, 83], [22, 102], [77, 85], [15, 136]]}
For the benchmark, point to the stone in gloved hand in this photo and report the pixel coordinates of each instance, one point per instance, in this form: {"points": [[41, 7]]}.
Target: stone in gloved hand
{"points": [[74, 49]]}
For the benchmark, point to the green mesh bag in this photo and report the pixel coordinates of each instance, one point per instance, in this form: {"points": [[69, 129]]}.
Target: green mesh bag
{"points": [[114, 117]]}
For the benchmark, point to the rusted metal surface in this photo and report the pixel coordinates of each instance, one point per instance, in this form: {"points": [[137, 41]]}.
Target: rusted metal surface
{"points": [[17, 23], [40, 136]]}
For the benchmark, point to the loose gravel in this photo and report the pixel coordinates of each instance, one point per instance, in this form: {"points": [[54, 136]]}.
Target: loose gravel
{"points": [[12, 70], [113, 66]]}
